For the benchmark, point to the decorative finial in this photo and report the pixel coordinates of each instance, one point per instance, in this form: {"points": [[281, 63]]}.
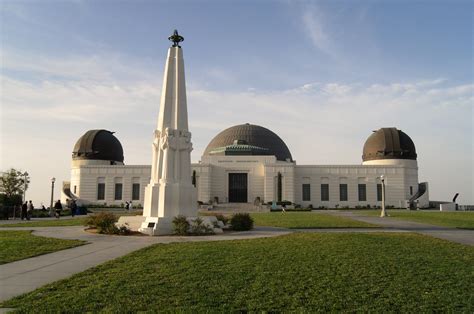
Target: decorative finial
{"points": [[176, 39]]}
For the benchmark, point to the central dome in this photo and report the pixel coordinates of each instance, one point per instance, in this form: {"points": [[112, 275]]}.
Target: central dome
{"points": [[249, 139]]}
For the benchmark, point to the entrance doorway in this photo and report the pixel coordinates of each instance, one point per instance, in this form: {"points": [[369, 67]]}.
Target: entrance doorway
{"points": [[237, 188]]}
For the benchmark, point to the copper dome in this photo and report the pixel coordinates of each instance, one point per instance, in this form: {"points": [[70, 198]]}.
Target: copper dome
{"points": [[98, 145], [389, 143], [267, 142]]}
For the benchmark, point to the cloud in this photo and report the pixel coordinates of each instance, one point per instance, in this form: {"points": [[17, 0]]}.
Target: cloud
{"points": [[315, 25]]}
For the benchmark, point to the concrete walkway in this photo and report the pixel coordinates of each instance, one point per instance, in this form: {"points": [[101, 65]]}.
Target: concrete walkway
{"points": [[462, 236], [26, 275], [29, 274]]}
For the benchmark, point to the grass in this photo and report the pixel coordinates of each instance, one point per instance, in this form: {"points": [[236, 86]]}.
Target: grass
{"points": [[48, 223], [17, 245], [298, 272], [462, 220], [303, 220]]}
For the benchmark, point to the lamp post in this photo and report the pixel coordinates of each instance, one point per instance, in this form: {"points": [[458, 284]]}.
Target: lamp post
{"points": [[383, 213], [52, 196], [25, 175]]}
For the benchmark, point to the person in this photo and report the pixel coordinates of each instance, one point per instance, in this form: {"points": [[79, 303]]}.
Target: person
{"points": [[130, 205], [29, 210], [24, 208], [283, 210], [58, 207], [73, 207], [127, 206]]}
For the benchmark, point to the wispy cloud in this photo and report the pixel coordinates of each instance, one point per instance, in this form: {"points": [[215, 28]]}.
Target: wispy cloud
{"points": [[316, 26]]}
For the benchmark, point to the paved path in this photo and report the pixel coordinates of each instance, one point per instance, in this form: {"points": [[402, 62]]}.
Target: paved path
{"points": [[26, 275], [462, 236]]}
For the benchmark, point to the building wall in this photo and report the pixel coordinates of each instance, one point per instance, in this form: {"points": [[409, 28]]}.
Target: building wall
{"points": [[87, 177], [398, 178], [213, 171]]}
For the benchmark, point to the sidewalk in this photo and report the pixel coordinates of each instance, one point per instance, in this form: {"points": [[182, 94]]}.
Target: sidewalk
{"points": [[26, 275], [462, 236]]}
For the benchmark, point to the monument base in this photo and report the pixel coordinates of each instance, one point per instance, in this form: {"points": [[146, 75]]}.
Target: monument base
{"points": [[155, 226]]}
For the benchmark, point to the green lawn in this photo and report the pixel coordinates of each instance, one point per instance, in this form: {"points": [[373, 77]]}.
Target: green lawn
{"points": [[17, 245], [463, 220], [299, 272], [48, 223], [306, 220]]}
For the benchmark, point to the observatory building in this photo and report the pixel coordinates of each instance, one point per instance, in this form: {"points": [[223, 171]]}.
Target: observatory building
{"points": [[250, 164], [245, 165]]}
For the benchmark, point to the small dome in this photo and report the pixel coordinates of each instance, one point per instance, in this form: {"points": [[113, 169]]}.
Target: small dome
{"points": [[98, 145], [389, 143], [251, 140]]}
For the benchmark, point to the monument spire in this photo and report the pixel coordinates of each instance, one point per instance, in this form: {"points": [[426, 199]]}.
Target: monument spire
{"points": [[170, 192]]}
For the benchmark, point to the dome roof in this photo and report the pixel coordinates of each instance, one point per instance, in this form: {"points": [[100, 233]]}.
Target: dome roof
{"points": [[248, 139], [388, 143], [98, 145]]}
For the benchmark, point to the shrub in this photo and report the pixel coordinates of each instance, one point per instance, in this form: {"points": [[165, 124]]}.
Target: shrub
{"points": [[199, 228], [180, 225], [104, 222], [222, 218], [241, 222], [123, 229]]}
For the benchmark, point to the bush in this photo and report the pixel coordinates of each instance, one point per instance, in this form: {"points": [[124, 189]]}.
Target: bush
{"points": [[199, 228], [123, 229], [222, 218], [103, 222], [180, 225], [241, 222]]}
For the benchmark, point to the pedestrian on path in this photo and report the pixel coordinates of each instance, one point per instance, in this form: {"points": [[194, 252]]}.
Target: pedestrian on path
{"points": [[24, 208], [73, 207], [58, 208], [29, 210]]}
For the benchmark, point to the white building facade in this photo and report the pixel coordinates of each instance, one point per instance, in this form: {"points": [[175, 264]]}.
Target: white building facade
{"points": [[251, 164]]}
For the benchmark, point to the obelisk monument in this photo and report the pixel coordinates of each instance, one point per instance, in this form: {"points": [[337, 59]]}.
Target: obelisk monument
{"points": [[170, 192]]}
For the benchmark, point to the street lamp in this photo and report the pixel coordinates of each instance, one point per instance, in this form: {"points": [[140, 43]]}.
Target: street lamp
{"points": [[383, 213], [25, 175], [52, 195]]}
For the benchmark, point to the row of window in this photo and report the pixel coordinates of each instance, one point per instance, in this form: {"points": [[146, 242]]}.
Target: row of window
{"points": [[118, 191], [343, 194]]}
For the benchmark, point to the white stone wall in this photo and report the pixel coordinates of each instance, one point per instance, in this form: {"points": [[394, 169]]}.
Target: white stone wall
{"points": [[213, 171], [87, 177], [263, 171], [396, 183]]}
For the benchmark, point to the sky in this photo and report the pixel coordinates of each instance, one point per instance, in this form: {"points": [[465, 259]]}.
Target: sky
{"points": [[321, 74]]}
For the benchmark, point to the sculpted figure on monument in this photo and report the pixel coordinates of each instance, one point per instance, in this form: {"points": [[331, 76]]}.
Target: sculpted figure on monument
{"points": [[168, 139], [185, 141]]}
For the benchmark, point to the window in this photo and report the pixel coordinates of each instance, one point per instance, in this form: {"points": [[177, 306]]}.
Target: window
{"points": [[324, 192], [75, 189], [379, 192], [306, 192], [101, 191], [135, 191], [411, 190], [343, 192], [118, 191], [362, 193]]}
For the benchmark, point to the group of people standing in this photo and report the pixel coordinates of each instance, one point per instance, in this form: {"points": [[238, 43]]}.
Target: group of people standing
{"points": [[26, 209]]}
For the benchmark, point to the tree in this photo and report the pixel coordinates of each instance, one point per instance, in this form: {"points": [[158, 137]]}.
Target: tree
{"points": [[13, 183]]}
